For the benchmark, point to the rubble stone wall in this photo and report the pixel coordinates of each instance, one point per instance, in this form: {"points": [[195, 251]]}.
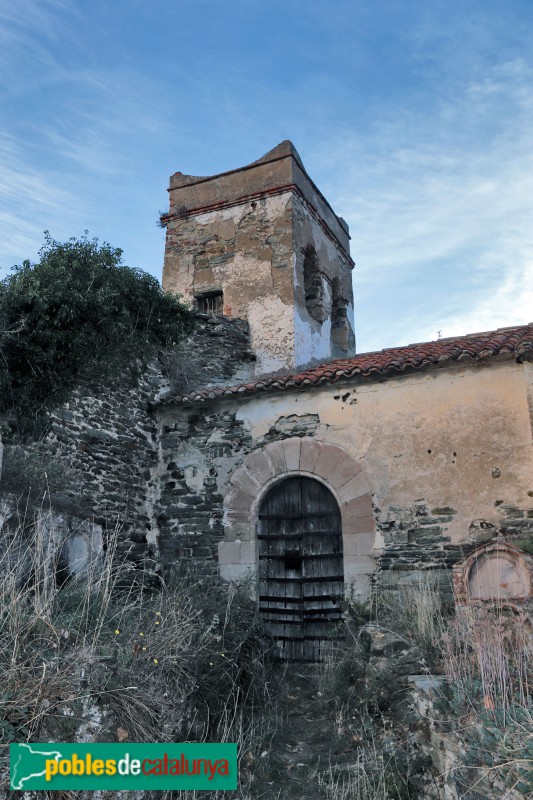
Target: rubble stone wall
{"points": [[107, 437]]}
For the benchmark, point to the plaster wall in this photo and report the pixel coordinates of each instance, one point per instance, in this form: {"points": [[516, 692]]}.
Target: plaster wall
{"points": [[443, 463], [456, 438], [244, 250], [254, 252], [333, 337]]}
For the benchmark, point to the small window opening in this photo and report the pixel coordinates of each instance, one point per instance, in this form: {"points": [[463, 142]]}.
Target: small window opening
{"points": [[212, 303]]}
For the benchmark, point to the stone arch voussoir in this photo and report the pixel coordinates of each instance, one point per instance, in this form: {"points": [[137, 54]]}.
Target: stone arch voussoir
{"points": [[326, 462]]}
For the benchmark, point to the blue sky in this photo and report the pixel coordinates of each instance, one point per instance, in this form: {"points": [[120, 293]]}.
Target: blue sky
{"points": [[414, 118]]}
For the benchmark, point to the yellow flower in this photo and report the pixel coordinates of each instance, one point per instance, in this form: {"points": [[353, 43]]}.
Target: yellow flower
{"points": [[156, 661], [144, 648], [141, 634], [117, 631], [158, 613], [158, 623]]}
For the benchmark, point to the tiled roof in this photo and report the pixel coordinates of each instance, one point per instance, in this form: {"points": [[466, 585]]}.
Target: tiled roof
{"points": [[474, 347]]}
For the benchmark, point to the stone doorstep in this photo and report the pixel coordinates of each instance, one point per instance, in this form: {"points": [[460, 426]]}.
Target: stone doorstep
{"points": [[426, 683]]}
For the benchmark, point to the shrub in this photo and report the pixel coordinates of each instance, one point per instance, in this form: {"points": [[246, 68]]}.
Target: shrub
{"points": [[416, 612], [77, 308], [35, 471], [488, 656]]}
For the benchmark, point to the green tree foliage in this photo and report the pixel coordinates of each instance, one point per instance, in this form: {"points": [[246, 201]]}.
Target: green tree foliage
{"points": [[79, 308]]}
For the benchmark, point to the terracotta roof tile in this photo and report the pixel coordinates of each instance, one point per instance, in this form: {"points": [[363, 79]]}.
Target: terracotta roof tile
{"points": [[474, 346]]}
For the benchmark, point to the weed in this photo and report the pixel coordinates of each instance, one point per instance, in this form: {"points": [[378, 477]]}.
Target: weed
{"points": [[35, 470], [107, 659], [525, 545], [415, 611]]}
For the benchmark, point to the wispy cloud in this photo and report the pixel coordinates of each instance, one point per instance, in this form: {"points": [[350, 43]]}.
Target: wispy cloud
{"points": [[441, 213], [28, 31], [30, 199]]}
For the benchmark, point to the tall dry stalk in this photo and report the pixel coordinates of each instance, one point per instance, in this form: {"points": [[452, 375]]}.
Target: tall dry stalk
{"points": [[489, 651]]}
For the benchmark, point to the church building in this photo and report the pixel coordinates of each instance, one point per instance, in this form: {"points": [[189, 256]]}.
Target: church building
{"points": [[271, 453], [290, 462]]}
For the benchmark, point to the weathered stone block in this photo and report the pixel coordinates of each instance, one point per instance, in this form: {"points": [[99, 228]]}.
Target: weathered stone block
{"points": [[237, 573], [327, 461], [358, 565], [234, 529], [355, 487], [309, 454], [291, 449], [245, 481], [239, 500], [349, 544], [276, 454], [345, 471], [249, 552], [358, 507], [365, 542], [229, 553], [260, 466], [359, 525]]}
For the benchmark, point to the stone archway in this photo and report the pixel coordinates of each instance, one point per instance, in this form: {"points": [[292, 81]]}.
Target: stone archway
{"points": [[327, 463]]}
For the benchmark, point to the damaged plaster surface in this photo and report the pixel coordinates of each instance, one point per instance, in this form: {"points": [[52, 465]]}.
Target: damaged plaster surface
{"points": [[443, 436], [268, 245]]}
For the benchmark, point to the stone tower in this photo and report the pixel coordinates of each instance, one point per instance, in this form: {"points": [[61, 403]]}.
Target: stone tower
{"points": [[261, 243]]}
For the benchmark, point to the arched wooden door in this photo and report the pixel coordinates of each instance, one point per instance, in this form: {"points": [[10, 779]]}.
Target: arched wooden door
{"points": [[301, 577]]}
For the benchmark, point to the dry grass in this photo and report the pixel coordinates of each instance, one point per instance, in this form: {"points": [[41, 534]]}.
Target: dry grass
{"points": [[488, 655], [104, 658], [415, 612]]}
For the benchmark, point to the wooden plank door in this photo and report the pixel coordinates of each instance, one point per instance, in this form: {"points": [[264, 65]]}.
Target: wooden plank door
{"points": [[301, 579]]}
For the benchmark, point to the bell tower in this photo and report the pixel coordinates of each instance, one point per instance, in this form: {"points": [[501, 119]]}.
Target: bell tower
{"points": [[262, 243]]}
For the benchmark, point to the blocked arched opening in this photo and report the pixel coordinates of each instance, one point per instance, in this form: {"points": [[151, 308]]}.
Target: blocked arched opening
{"points": [[301, 573], [313, 285], [495, 572]]}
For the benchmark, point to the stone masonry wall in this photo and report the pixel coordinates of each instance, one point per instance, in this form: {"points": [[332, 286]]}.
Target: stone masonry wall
{"points": [[414, 541], [217, 352], [107, 435], [201, 447]]}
